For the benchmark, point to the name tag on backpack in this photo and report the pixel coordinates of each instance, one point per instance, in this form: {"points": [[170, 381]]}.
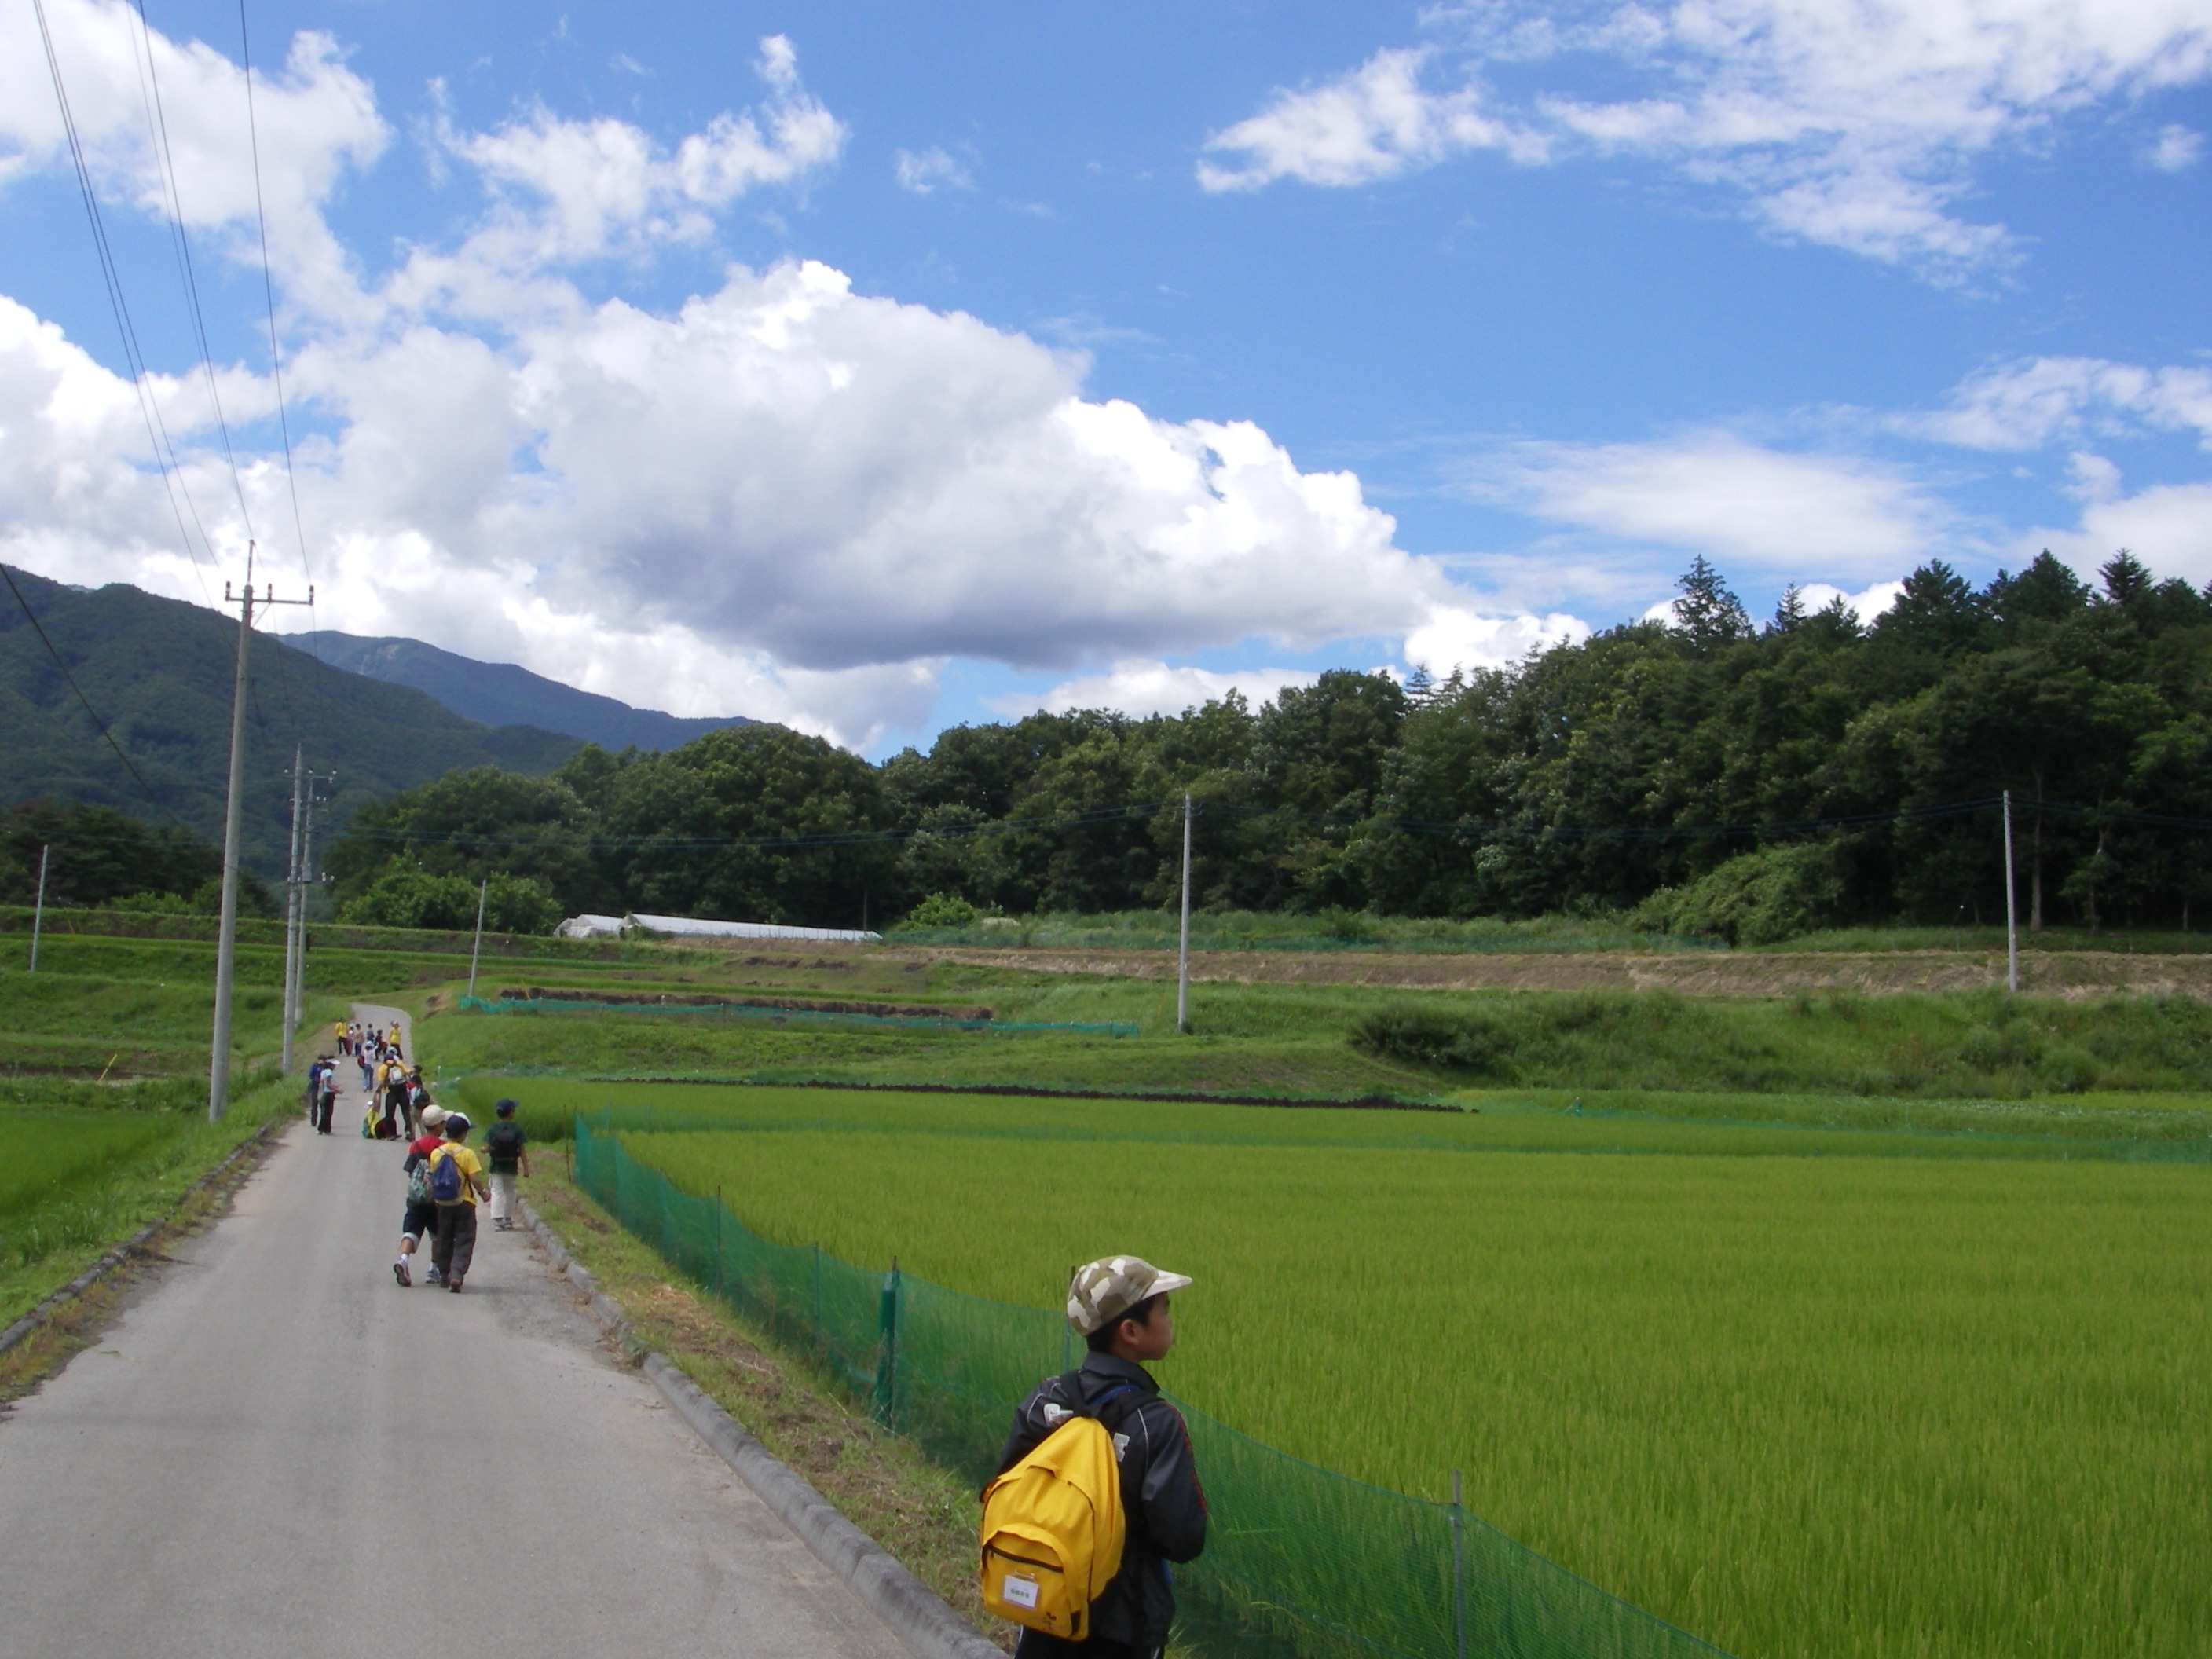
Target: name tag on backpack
{"points": [[1019, 1592]]}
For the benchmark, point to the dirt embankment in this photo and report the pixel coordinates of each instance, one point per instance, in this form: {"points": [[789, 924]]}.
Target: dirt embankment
{"points": [[2072, 974]]}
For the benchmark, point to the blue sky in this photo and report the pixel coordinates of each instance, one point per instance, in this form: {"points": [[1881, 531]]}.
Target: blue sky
{"points": [[876, 368]]}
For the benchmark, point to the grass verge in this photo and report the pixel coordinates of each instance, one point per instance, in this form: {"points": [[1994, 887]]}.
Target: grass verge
{"points": [[169, 1191], [44, 1247], [884, 1485]]}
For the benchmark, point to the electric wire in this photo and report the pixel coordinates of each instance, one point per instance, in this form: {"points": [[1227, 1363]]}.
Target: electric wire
{"points": [[99, 725], [157, 121], [464, 838], [277, 375], [157, 430], [269, 289]]}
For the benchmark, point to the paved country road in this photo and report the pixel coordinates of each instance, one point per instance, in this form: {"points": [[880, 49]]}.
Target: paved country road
{"points": [[277, 1451]]}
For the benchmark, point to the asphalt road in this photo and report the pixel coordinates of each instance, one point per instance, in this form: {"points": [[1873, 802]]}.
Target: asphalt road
{"points": [[276, 1450]]}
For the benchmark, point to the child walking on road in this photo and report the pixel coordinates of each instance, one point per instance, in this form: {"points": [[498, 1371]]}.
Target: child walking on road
{"points": [[508, 1157], [456, 1180], [421, 1220]]}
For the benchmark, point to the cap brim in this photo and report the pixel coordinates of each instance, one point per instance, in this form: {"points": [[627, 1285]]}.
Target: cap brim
{"points": [[1167, 1282]]}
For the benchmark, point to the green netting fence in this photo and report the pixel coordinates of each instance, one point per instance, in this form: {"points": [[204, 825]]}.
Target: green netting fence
{"points": [[784, 1015], [1299, 1564]]}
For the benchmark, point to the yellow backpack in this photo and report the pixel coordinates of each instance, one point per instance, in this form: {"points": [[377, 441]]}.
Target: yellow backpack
{"points": [[1053, 1529]]}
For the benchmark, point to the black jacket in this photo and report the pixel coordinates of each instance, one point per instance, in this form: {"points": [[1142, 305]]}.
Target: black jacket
{"points": [[1160, 1499]]}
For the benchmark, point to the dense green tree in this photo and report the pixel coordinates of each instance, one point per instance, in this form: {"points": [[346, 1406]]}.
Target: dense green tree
{"points": [[1761, 779], [755, 823], [99, 856]]}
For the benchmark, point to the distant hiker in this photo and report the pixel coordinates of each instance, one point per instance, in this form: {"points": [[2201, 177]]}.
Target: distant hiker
{"points": [[457, 1179], [393, 1044], [314, 1085], [339, 1030], [391, 1088], [1119, 1306], [508, 1157], [326, 1098], [361, 1059], [421, 1220]]}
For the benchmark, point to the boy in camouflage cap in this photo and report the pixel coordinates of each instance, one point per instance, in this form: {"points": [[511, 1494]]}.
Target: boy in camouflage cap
{"points": [[1119, 1306]]}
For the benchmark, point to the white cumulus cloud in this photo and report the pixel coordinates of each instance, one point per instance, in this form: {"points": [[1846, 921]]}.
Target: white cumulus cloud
{"points": [[781, 498], [1374, 122], [1458, 636], [1140, 686], [925, 172], [2178, 149], [1741, 504], [586, 186], [2037, 401], [1852, 124]]}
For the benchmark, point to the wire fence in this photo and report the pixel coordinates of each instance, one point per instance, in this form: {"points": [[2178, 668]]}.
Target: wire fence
{"points": [[785, 1016], [1300, 1563]]}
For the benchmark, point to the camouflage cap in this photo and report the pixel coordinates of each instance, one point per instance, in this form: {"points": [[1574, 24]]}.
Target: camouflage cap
{"points": [[1100, 1293]]}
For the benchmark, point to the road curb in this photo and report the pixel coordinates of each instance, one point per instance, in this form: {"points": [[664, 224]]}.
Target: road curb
{"points": [[922, 1620], [134, 1245]]}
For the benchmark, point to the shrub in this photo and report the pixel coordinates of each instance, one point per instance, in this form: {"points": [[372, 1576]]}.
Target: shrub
{"points": [[1471, 1040], [942, 910], [159, 904], [1755, 898], [408, 895]]}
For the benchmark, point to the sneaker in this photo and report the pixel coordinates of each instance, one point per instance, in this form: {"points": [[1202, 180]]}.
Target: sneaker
{"points": [[454, 1286], [434, 1276], [399, 1272]]}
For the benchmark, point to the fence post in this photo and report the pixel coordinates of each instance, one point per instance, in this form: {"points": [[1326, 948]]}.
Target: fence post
{"points": [[718, 1208], [885, 1408], [819, 1336], [1459, 1574]]}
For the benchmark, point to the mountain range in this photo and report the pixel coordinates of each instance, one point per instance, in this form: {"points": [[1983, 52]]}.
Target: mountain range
{"points": [[501, 694], [158, 673]]}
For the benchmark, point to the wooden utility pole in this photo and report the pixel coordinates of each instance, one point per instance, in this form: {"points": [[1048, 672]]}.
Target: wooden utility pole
{"points": [[226, 949]]}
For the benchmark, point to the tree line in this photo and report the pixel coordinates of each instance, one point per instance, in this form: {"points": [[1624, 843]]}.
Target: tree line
{"points": [[1589, 778]]}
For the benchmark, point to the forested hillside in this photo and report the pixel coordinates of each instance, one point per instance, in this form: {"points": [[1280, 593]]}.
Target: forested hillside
{"points": [[502, 694], [158, 673], [1586, 778]]}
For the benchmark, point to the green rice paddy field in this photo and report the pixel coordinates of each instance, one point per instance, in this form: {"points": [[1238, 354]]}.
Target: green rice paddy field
{"points": [[1810, 1386]]}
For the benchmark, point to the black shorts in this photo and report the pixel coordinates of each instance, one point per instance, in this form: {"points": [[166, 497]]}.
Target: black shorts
{"points": [[422, 1220]]}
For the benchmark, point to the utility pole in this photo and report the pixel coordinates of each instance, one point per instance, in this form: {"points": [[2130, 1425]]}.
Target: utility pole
{"points": [[477, 949], [292, 904], [226, 949], [2011, 918], [38, 915], [1182, 950], [296, 984]]}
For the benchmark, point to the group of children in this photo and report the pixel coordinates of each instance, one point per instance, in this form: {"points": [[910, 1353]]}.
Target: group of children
{"points": [[445, 1180]]}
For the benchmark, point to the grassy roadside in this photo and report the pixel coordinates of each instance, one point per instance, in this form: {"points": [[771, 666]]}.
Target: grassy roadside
{"points": [[884, 1485], [158, 1188]]}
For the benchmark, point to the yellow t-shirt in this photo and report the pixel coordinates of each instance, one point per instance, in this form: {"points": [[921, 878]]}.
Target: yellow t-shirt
{"points": [[472, 1168]]}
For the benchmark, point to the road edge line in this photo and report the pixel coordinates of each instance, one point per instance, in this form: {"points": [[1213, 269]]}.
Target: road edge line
{"points": [[923, 1621], [27, 1326]]}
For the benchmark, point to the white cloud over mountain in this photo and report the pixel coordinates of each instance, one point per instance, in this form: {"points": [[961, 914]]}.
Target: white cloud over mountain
{"points": [[784, 497], [1859, 126]]}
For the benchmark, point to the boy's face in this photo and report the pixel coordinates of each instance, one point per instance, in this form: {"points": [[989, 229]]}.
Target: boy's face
{"points": [[1149, 1341]]}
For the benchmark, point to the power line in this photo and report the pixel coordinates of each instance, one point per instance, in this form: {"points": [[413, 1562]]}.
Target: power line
{"points": [[157, 121], [268, 286], [468, 839], [157, 430], [99, 725], [277, 375]]}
